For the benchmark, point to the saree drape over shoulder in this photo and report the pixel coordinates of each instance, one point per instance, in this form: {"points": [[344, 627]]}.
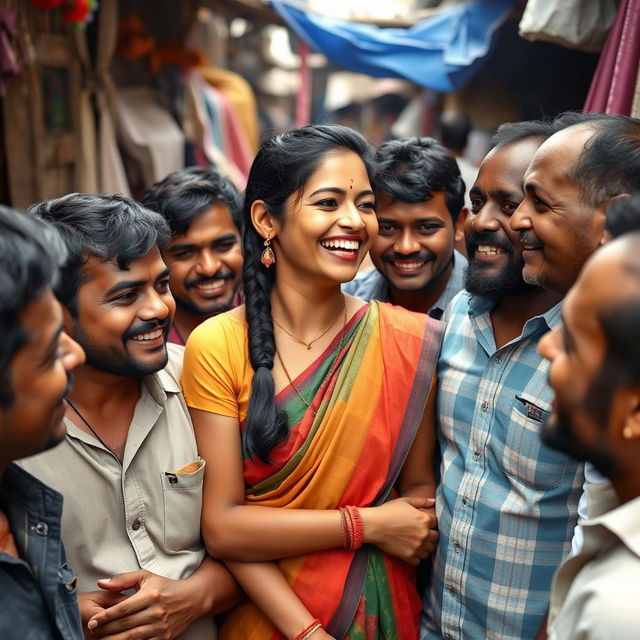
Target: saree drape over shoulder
{"points": [[348, 449]]}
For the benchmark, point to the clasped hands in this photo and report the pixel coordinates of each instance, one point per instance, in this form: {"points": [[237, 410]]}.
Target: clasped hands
{"points": [[405, 527], [159, 609]]}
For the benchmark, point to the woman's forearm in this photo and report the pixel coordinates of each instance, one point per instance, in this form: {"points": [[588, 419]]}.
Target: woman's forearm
{"points": [[265, 585]]}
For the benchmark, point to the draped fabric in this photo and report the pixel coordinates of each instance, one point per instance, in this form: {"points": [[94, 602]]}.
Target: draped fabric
{"points": [[442, 52], [100, 168], [368, 406], [614, 82]]}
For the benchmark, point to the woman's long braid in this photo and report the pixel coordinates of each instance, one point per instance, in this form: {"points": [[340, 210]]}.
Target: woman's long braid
{"points": [[266, 426]]}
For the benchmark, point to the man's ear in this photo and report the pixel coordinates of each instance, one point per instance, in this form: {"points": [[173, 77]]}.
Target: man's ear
{"points": [[458, 231], [606, 235], [262, 220], [631, 430]]}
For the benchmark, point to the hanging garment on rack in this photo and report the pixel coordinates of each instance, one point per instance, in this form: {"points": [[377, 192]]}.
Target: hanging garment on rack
{"points": [[240, 94], [149, 133], [199, 131]]}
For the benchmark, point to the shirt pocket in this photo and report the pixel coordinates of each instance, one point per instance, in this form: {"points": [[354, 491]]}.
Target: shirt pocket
{"points": [[182, 496], [525, 458]]}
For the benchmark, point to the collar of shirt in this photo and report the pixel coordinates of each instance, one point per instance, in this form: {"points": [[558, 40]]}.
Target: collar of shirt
{"points": [[154, 391], [619, 520], [480, 306], [20, 487]]}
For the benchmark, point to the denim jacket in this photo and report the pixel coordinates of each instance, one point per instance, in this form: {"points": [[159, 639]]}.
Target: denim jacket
{"points": [[38, 594]]}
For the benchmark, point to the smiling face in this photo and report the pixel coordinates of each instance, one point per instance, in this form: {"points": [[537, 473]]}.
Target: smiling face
{"points": [[40, 374], [590, 409], [206, 263], [558, 230], [414, 247], [328, 227], [124, 315], [493, 248]]}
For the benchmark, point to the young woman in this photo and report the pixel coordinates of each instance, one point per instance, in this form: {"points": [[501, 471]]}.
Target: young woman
{"points": [[308, 407]]}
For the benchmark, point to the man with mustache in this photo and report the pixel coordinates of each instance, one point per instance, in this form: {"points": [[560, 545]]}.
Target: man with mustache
{"points": [[595, 373], [420, 211], [571, 180], [37, 594], [506, 503], [202, 208], [128, 467]]}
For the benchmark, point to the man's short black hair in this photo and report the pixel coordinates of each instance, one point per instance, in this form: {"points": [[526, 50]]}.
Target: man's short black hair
{"points": [[510, 132], [411, 169], [610, 162], [111, 228], [184, 195], [30, 254]]}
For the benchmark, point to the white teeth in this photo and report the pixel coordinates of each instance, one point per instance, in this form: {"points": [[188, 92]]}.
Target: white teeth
{"points": [[348, 245], [408, 265], [488, 249], [148, 336], [211, 286]]}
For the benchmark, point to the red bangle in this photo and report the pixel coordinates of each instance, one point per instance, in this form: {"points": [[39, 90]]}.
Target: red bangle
{"points": [[346, 542], [357, 537], [308, 630]]}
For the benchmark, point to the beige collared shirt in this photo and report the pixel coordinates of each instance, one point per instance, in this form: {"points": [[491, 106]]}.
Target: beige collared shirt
{"points": [[143, 513], [595, 593]]}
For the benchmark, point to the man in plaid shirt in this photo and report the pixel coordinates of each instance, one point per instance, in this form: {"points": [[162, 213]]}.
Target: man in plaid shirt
{"points": [[507, 504]]}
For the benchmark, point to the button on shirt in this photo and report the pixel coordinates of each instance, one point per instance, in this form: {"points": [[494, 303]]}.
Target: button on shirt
{"points": [[38, 591], [143, 513], [506, 503], [371, 285], [595, 594]]}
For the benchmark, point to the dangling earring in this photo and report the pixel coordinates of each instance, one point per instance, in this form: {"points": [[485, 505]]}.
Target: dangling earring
{"points": [[268, 257]]}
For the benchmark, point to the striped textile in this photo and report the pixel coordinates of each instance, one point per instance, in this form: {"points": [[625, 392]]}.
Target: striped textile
{"points": [[506, 504]]}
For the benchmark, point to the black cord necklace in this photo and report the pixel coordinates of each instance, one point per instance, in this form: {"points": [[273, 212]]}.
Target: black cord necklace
{"points": [[102, 442]]}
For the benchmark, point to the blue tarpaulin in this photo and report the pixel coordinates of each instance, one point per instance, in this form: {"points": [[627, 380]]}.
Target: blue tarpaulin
{"points": [[441, 52]]}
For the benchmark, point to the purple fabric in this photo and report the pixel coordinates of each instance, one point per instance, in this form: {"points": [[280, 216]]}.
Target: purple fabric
{"points": [[615, 78], [9, 64]]}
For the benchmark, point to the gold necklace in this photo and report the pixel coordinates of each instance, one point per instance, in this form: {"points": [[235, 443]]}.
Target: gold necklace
{"points": [[331, 370], [308, 344]]}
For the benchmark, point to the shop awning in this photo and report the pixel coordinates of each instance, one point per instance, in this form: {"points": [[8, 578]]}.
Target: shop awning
{"points": [[441, 52]]}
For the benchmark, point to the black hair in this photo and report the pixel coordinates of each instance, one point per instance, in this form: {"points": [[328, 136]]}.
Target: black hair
{"points": [[30, 254], [511, 132], [183, 195], [455, 127], [112, 228], [610, 162], [410, 169], [281, 168], [623, 215]]}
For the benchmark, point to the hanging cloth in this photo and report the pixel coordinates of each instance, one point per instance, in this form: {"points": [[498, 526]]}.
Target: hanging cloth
{"points": [[240, 95], [442, 52], [614, 82], [149, 133], [100, 167], [575, 24]]}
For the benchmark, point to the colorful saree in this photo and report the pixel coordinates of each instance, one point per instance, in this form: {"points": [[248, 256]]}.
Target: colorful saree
{"points": [[350, 452]]}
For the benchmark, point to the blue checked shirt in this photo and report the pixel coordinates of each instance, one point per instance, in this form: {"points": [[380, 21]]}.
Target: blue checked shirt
{"points": [[507, 504]]}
